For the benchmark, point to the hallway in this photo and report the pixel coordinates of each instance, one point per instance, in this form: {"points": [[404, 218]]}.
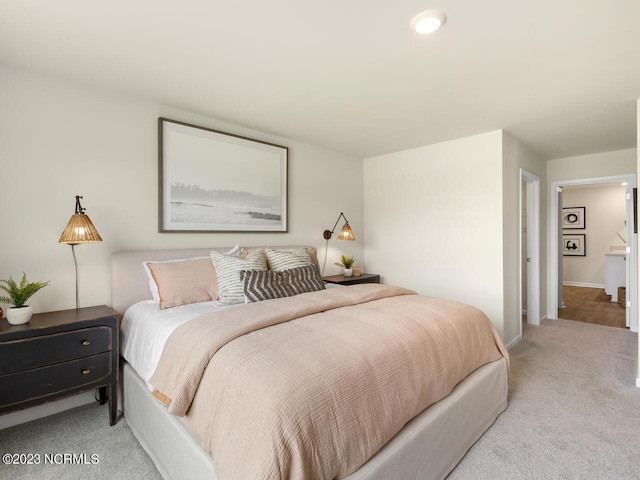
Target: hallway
{"points": [[591, 305]]}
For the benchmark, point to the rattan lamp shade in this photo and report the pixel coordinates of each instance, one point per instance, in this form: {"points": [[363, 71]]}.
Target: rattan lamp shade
{"points": [[346, 233], [79, 230]]}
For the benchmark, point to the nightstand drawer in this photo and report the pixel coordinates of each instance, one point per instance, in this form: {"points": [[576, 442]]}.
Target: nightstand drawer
{"points": [[29, 353], [38, 383]]}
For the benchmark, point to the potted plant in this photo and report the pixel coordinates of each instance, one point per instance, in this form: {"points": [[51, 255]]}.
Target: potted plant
{"points": [[18, 296], [346, 262]]}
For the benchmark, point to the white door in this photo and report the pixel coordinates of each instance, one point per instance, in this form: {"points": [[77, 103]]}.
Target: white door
{"points": [[631, 262]]}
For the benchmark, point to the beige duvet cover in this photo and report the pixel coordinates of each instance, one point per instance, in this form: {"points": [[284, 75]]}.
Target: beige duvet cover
{"points": [[312, 386]]}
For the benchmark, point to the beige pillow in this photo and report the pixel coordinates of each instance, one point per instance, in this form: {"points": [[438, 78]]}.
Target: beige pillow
{"points": [[313, 253], [280, 260], [235, 251], [181, 283]]}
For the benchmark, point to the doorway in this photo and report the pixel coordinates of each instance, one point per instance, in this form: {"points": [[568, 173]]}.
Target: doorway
{"points": [[594, 277], [529, 247], [555, 253]]}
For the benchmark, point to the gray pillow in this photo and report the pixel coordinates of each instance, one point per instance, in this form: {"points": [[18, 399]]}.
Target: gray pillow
{"points": [[258, 285]]}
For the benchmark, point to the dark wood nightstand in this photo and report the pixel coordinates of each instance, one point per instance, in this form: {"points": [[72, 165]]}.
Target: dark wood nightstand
{"points": [[59, 354], [342, 280]]}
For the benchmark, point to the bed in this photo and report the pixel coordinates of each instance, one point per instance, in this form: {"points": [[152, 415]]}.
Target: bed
{"points": [[428, 446]]}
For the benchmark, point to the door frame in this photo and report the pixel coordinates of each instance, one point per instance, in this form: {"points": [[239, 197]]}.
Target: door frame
{"points": [[532, 182], [632, 245]]}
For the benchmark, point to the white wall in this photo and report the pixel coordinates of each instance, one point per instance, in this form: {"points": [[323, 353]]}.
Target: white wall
{"points": [[619, 162], [514, 157], [433, 220], [60, 139], [444, 220], [605, 209]]}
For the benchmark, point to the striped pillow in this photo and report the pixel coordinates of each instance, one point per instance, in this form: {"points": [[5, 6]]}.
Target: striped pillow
{"points": [[228, 272], [280, 260], [261, 285]]}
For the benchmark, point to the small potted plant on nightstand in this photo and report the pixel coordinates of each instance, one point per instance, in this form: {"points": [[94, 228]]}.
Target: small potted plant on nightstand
{"points": [[346, 262], [18, 296]]}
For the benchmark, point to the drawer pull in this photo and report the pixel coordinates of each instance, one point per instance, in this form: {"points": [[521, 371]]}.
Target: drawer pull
{"points": [[86, 372], [86, 343]]}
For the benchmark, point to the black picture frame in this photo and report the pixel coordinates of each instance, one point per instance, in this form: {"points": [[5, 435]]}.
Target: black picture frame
{"points": [[574, 245], [574, 218], [213, 181]]}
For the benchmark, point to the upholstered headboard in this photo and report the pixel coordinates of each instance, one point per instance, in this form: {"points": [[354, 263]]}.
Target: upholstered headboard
{"points": [[129, 283]]}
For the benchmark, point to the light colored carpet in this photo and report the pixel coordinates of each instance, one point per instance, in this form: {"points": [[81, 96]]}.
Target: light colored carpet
{"points": [[574, 410], [574, 413], [82, 430]]}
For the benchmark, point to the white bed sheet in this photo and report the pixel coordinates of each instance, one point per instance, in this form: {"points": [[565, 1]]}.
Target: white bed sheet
{"points": [[146, 327]]}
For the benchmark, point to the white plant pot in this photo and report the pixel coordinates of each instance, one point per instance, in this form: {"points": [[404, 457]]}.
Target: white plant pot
{"points": [[347, 272], [20, 315]]}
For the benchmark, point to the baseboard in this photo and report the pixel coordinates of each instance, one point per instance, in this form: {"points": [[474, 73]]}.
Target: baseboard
{"points": [[514, 342], [586, 285], [542, 319], [29, 414]]}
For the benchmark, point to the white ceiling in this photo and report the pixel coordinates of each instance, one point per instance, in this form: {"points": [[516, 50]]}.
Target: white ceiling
{"points": [[562, 76]]}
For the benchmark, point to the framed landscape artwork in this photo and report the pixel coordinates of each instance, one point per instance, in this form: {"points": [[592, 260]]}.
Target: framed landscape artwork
{"points": [[574, 245], [211, 181], [573, 218]]}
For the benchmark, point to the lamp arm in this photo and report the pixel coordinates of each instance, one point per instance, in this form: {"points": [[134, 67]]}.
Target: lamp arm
{"points": [[327, 234], [336, 224], [75, 265], [79, 208]]}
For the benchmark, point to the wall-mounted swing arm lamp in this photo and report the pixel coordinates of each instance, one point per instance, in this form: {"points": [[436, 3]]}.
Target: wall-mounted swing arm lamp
{"points": [[345, 233], [79, 229]]}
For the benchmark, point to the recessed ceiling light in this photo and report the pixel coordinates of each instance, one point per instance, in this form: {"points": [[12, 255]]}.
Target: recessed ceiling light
{"points": [[428, 22]]}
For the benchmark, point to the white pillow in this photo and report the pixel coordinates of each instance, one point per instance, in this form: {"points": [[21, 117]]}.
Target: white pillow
{"points": [[230, 291], [235, 251]]}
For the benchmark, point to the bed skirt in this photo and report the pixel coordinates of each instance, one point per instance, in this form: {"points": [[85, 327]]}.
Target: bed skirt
{"points": [[428, 447]]}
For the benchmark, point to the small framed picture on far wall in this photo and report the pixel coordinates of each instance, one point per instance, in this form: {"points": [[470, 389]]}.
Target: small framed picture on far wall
{"points": [[573, 218], [574, 245]]}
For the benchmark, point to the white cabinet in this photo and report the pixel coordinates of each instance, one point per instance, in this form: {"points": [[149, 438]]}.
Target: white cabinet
{"points": [[615, 273]]}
